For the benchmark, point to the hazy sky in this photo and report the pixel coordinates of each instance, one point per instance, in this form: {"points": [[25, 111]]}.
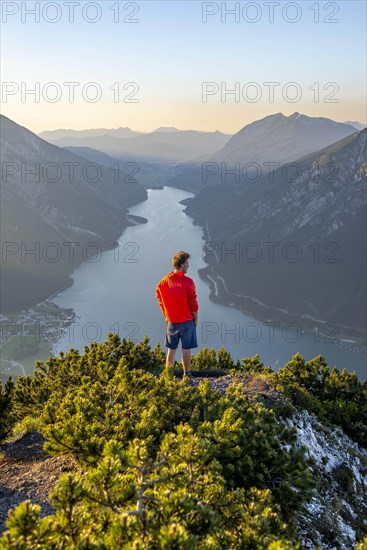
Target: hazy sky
{"points": [[313, 52]]}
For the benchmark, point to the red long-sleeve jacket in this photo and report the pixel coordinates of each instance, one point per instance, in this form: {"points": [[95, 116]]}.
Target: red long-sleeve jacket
{"points": [[176, 295]]}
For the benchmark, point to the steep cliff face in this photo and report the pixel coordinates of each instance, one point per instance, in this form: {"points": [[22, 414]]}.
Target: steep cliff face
{"points": [[54, 207], [336, 517], [299, 238], [322, 191]]}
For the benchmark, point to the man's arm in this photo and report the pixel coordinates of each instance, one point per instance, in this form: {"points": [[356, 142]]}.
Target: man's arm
{"points": [[160, 301], [192, 300]]}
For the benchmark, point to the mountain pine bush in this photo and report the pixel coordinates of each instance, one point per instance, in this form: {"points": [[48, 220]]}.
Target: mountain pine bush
{"points": [[166, 464], [6, 408], [338, 398], [175, 498]]}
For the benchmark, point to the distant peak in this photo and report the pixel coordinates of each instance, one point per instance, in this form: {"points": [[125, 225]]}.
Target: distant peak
{"points": [[166, 129], [295, 115]]}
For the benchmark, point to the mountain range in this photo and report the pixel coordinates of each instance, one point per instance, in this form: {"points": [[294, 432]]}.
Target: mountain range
{"points": [[162, 145], [357, 125], [316, 217], [312, 203], [281, 138], [260, 147], [57, 207], [121, 132]]}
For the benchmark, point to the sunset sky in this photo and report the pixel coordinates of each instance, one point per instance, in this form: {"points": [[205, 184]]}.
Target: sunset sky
{"points": [[169, 52]]}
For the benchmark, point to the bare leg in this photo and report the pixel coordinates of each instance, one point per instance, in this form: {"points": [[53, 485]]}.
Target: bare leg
{"points": [[170, 359], [186, 360]]}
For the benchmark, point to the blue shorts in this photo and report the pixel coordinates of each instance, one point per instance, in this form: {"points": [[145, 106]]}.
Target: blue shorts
{"points": [[186, 331]]}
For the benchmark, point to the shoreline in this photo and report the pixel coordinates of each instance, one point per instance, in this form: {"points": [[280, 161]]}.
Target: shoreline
{"points": [[58, 317], [252, 306], [131, 220]]}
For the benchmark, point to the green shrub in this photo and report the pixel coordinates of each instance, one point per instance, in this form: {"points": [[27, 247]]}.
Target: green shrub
{"points": [[7, 419], [362, 545], [206, 359], [343, 474], [253, 365], [336, 397], [131, 404], [168, 465], [175, 498], [98, 363]]}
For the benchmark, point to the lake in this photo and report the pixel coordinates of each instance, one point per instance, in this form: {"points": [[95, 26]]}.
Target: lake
{"points": [[116, 293]]}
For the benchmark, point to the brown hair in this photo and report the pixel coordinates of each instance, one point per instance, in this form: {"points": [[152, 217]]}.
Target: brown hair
{"points": [[179, 259]]}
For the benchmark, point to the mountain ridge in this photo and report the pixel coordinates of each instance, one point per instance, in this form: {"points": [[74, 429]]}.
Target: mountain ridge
{"points": [[59, 206], [280, 134], [159, 145], [258, 147], [310, 209]]}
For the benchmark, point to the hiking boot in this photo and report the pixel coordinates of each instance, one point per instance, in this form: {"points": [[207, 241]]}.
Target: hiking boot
{"points": [[187, 375]]}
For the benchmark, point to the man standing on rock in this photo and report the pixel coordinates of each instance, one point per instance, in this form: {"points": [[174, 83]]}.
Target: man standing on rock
{"points": [[176, 295]]}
